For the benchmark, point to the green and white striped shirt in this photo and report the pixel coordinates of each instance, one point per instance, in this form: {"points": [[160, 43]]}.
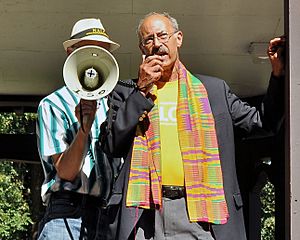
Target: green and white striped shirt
{"points": [[57, 126]]}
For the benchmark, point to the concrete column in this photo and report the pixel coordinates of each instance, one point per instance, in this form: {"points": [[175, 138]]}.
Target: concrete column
{"points": [[292, 25]]}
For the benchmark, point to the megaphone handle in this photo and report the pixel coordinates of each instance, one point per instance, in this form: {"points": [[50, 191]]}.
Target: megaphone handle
{"points": [[81, 119]]}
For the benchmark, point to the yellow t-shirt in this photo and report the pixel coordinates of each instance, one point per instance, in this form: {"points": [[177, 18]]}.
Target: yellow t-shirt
{"points": [[171, 160]]}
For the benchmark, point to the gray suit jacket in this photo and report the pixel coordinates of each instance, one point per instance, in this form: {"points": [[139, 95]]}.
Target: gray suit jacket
{"points": [[126, 105]]}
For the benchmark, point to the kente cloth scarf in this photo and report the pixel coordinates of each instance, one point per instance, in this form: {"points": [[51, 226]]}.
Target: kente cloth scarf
{"points": [[200, 155]]}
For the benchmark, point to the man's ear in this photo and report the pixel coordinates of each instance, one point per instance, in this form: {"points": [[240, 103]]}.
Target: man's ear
{"points": [[179, 38], [142, 49]]}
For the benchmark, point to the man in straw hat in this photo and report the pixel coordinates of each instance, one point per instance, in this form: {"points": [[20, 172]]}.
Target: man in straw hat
{"points": [[175, 131], [78, 176]]}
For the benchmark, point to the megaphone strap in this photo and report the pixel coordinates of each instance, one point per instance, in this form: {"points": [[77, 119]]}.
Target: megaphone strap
{"points": [[129, 84], [90, 31]]}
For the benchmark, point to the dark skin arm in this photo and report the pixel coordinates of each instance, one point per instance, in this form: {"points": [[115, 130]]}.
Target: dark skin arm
{"points": [[68, 164], [276, 55]]}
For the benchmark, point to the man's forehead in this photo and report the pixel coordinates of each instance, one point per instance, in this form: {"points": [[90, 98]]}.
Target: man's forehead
{"points": [[155, 24]]}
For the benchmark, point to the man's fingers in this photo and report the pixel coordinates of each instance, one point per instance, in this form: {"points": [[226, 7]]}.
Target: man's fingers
{"points": [[86, 107], [150, 71], [157, 68], [154, 59], [276, 47], [275, 43]]}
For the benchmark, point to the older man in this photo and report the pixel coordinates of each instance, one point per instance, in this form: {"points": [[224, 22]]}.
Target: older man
{"points": [[175, 130]]}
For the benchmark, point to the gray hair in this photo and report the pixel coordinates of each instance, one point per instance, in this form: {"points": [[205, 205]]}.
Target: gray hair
{"points": [[164, 14]]}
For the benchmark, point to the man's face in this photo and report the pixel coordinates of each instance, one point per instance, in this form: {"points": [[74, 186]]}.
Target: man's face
{"points": [[85, 43], [159, 38]]}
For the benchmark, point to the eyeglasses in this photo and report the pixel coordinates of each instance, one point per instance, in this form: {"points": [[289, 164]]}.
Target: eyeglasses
{"points": [[162, 37]]}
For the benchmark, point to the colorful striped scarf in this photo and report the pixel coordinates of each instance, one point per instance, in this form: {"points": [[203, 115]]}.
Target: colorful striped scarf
{"points": [[200, 155]]}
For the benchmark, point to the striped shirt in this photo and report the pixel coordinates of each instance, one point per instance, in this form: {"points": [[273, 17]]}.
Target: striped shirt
{"points": [[57, 126]]}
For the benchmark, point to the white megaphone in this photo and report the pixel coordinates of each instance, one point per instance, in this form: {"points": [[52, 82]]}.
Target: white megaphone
{"points": [[91, 72]]}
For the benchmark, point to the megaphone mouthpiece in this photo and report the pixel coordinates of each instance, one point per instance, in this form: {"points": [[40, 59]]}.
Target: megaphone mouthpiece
{"points": [[90, 79]]}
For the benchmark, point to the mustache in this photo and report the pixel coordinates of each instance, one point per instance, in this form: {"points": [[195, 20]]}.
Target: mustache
{"points": [[161, 50]]}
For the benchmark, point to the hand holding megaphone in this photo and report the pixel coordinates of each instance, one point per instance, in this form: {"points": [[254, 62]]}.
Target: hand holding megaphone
{"points": [[85, 112]]}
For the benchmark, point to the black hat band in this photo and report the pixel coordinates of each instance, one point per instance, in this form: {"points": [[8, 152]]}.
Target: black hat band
{"points": [[88, 32]]}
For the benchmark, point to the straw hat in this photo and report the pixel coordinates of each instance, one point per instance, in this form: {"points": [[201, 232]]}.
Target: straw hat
{"points": [[89, 29]]}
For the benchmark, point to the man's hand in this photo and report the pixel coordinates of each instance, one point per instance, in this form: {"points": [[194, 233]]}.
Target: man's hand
{"points": [[276, 53], [150, 72], [68, 164], [85, 112]]}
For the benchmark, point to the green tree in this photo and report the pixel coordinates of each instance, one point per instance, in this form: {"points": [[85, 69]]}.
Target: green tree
{"points": [[15, 215], [13, 123], [268, 208], [14, 210]]}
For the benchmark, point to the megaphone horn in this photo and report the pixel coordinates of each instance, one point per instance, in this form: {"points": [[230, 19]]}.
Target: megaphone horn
{"points": [[91, 72]]}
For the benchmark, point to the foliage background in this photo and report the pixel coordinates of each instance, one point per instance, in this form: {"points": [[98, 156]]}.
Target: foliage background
{"points": [[15, 210], [268, 215], [13, 123]]}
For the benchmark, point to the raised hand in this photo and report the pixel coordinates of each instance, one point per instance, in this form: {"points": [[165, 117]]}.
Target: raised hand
{"points": [[276, 53], [150, 71], [85, 112]]}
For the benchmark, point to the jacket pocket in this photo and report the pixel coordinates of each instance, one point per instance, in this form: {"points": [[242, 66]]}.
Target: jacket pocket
{"points": [[238, 200], [115, 199]]}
